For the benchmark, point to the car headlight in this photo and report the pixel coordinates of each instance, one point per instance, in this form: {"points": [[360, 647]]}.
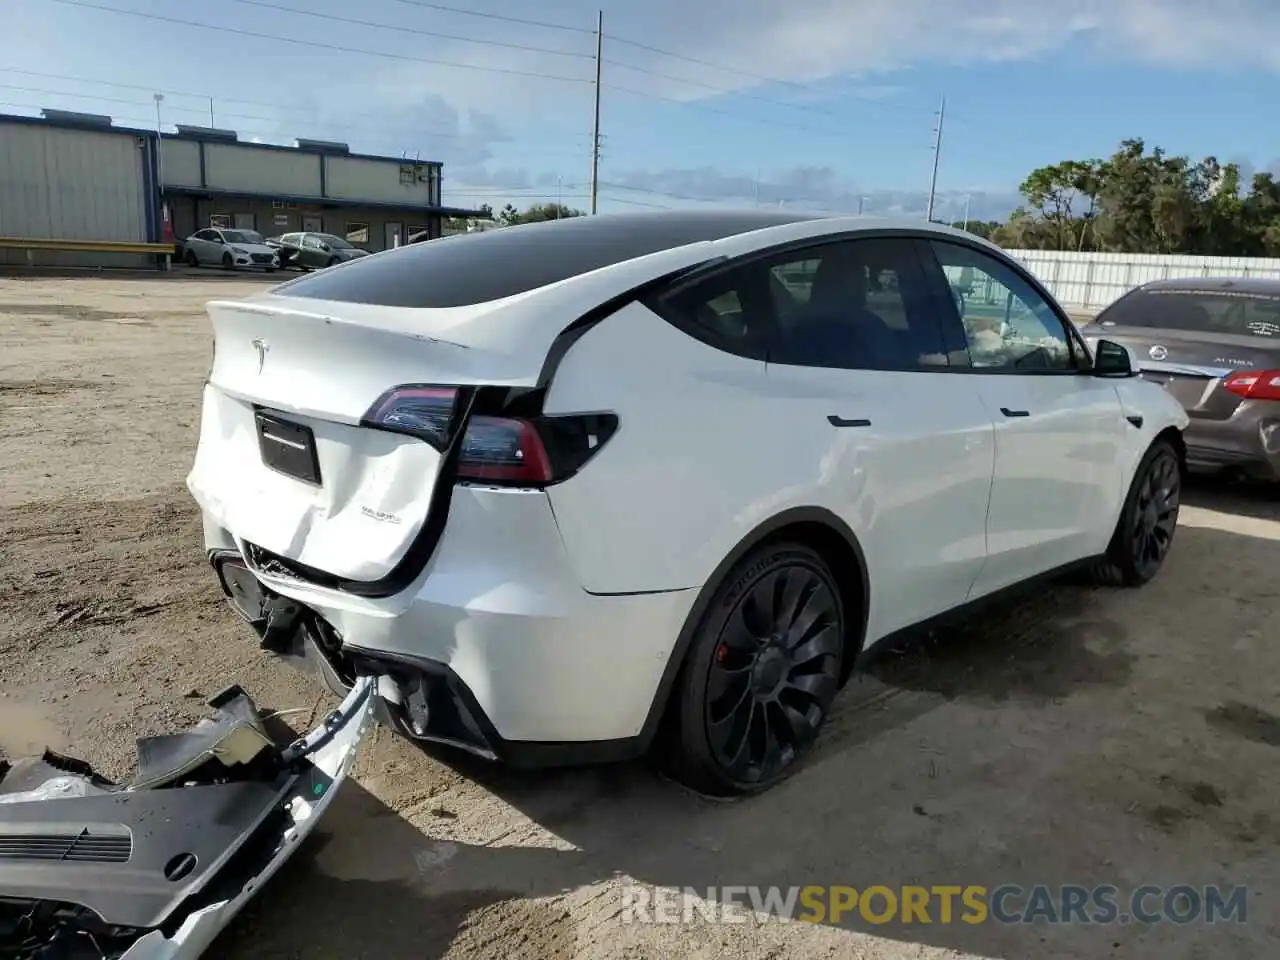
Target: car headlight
{"points": [[239, 251]]}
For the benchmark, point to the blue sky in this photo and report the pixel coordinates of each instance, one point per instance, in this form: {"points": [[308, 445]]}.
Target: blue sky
{"points": [[825, 104]]}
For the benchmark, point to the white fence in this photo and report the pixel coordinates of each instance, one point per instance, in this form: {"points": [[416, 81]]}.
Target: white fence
{"points": [[1091, 281]]}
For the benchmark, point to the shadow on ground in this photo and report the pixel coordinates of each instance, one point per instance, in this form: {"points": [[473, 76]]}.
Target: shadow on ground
{"points": [[1080, 736]]}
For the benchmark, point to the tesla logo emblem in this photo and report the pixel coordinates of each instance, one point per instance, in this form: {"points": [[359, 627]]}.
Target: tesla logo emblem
{"points": [[1157, 352], [262, 348]]}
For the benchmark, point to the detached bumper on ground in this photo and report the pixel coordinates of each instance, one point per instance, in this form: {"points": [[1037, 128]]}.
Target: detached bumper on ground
{"points": [[155, 869]]}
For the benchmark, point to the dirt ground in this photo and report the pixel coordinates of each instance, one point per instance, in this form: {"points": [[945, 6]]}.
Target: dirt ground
{"points": [[1081, 737]]}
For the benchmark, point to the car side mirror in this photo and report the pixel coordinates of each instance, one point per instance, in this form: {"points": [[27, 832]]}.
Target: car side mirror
{"points": [[1112, 359]]}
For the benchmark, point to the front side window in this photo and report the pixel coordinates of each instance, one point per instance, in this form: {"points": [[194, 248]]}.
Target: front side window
{"points": [[1007, 324]]}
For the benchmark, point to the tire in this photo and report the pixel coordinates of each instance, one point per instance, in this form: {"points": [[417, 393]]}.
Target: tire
{"points": [[333, 262], [192, 259], [227, 262], [1148, 520], [779, 599]]}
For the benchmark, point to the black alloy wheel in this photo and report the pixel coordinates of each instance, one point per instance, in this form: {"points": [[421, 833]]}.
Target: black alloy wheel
{"points": [[192, 259], [764, 670], [1148, 520], [1155, 513]]}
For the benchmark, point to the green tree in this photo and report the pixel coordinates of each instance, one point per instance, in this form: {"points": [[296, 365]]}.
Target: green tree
{"points": [[538, 212], [1145, 201]]}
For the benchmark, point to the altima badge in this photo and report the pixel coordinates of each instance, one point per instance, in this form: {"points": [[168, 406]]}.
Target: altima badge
{"points": [[1157, 352], [262, 348]]}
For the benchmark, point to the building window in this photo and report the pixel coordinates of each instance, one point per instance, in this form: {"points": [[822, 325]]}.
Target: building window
{"points": [[220, 221], [357, 233], [418, 234], [246, 221]]}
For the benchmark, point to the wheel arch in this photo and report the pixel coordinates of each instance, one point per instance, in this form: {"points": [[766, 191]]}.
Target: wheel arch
{"points": [[1174, 436], [815, 527]]}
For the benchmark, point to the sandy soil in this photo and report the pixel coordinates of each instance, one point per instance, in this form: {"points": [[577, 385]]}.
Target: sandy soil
{"points": [[1082, 736]]}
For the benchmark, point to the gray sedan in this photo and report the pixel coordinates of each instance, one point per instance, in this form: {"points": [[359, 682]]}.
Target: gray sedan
{"points": [[1215, 345]]}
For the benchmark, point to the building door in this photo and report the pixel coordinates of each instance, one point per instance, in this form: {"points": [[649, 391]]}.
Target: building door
{"points": [[392, 235], [245, 221], [311, 224]]}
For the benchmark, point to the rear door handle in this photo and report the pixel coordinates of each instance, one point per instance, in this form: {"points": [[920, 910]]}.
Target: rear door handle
{"points": [[842, 422], [1015, 413]]}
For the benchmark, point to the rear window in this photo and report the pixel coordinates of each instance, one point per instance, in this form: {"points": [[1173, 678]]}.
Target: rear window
{"points": [[1233, 312], [469, 268]]}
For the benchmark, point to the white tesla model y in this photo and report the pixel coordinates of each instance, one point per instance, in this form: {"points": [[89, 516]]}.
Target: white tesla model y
{"points": [[571, 487]]}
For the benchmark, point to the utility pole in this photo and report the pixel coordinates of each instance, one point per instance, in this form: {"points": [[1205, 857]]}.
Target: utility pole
{"points": [[966, 212], [211, 123], [937, 152], [159, 99], [595, 129]]}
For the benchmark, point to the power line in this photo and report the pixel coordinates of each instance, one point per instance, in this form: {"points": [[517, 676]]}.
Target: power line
{"points": [[343, 127], [726, 91], [317, 44], [693, 105], [639, 203], [398, 28], [161, 88], [545, 25], [713, 66]]}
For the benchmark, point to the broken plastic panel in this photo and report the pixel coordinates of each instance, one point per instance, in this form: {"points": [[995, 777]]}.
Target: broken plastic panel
{"points": [[156, 868]]}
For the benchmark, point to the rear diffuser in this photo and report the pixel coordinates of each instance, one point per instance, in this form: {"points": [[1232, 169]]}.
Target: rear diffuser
{"points": [[155, 869]]}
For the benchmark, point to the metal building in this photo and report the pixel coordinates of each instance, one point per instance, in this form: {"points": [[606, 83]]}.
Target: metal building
{"points": [[211, 178], [70, 176]]}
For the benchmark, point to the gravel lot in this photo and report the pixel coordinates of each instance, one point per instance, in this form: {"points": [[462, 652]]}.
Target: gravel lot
{"points": [[1083, 736]]}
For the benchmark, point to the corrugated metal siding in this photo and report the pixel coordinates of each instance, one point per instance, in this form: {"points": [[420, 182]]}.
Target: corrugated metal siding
{"points": [[242, 168], [378, 181], [180, 163], [71, 184], [1094, 280]]}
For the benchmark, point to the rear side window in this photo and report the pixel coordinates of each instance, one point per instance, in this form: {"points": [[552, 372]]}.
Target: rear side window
{"points": [[470, 268], [858, 305], [1248, 314]]}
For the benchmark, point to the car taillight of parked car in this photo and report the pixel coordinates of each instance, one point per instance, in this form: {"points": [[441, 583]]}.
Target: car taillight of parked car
{"points": [[1254, 384], [510, 451]]}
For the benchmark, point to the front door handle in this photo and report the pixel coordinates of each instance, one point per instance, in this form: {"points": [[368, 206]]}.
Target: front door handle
{"points": [[842, 422], [1015, 413]]}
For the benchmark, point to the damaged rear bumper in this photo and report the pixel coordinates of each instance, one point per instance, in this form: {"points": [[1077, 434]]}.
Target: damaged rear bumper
{"points": [[156, 869]]}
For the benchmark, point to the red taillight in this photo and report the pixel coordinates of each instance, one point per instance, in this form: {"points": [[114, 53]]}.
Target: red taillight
{"points": [[509, 450], [1254, 384]]}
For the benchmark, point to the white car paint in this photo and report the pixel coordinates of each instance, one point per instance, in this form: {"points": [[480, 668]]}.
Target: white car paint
{"points": [[560, 608], [216, 246]]}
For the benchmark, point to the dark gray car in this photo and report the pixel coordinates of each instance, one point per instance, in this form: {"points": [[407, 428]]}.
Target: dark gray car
{"points": [[1215, 345], [316, 250]]}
